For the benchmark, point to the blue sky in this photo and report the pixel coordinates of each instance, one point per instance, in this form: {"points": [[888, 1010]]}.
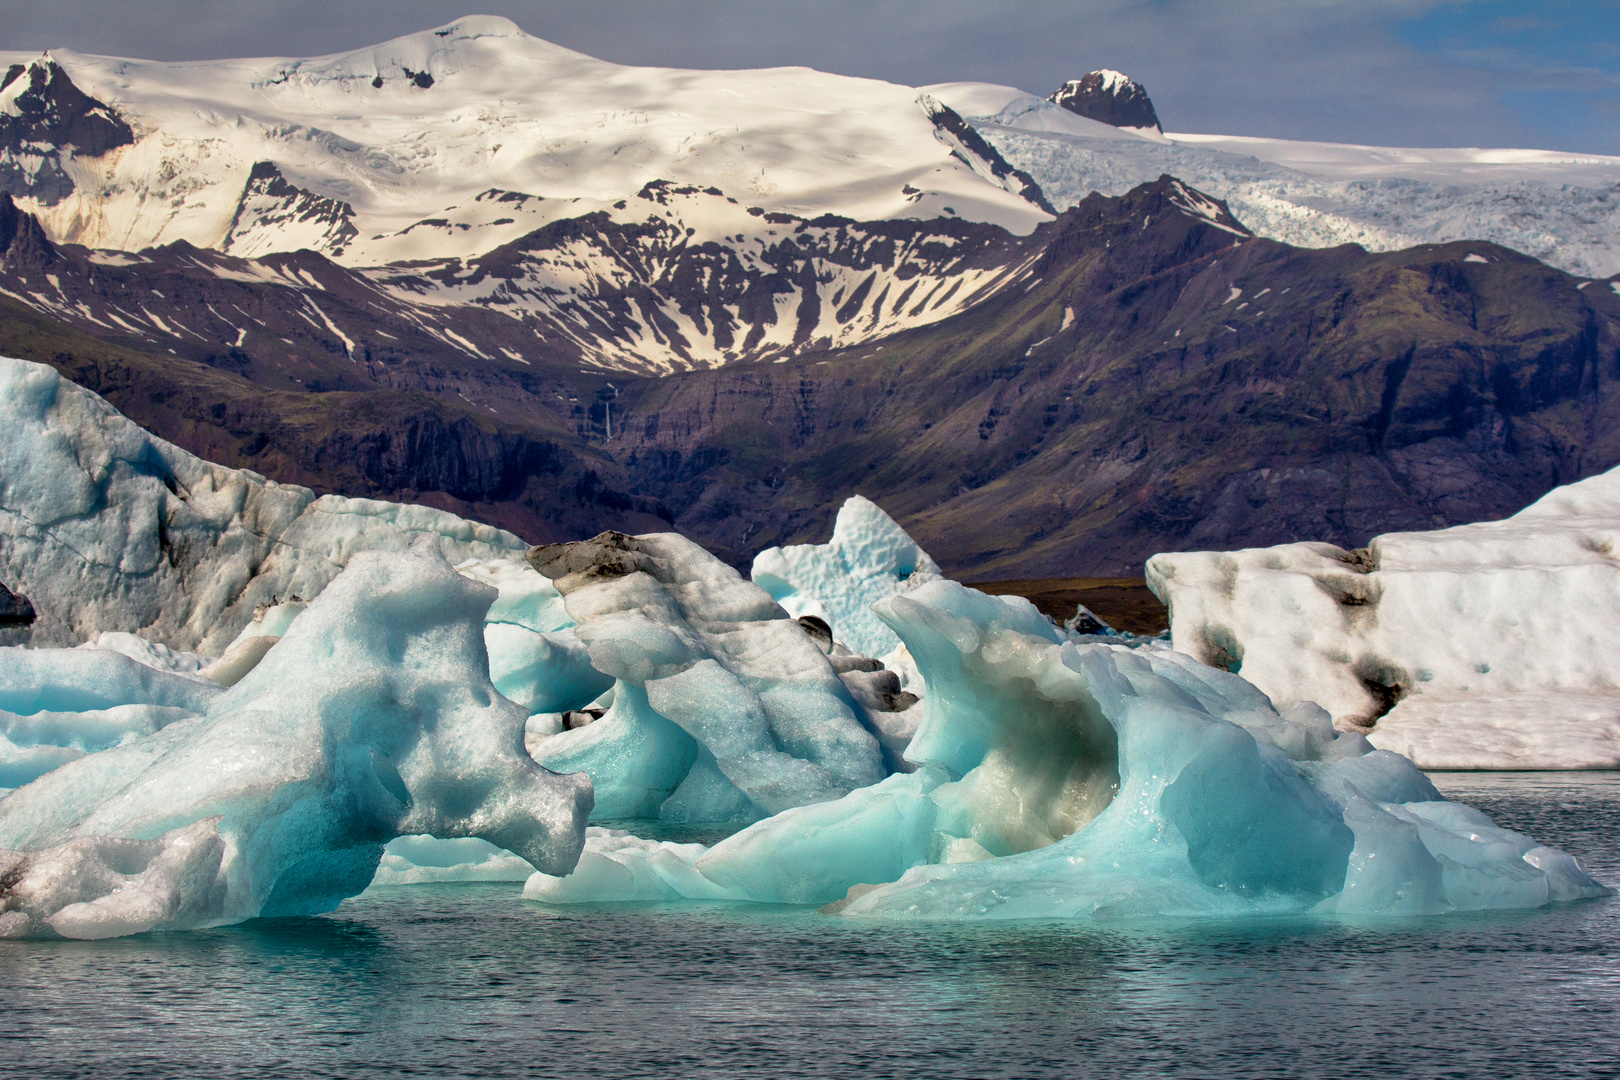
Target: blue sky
{"points": [[1391, 72]]}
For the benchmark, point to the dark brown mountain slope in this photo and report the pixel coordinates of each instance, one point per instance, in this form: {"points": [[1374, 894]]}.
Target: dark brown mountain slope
{"points": [[1210, 390], [1144, 376]]}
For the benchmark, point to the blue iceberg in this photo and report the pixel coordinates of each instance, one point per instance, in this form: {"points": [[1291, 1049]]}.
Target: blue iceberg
{"points": [[1065, 780], [373, 717]]}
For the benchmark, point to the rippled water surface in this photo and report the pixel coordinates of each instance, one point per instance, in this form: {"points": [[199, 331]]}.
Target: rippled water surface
{"points": [[468, 980]]}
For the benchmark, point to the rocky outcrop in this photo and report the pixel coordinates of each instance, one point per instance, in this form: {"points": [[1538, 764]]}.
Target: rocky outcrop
{"points": [[271, 208], [42, 115], [1110, 97], [971, 149]]}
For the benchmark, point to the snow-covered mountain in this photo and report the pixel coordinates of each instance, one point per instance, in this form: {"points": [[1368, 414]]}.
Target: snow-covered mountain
{"points": [[1562, 208], [379, 155], [452, 142]]}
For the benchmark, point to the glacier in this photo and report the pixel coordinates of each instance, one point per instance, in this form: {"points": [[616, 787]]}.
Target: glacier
{"points": [[1059, 780], [373, 717], [379, 168], [1560, 208], [1482, 646]]}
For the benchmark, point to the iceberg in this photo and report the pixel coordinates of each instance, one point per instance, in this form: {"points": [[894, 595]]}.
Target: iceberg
{"points": [[426, 860], [105, 527], [57, 705], [869, 558], [724, 709], [1066, 780], [372, 717], [1484, 646], [280, 700]]}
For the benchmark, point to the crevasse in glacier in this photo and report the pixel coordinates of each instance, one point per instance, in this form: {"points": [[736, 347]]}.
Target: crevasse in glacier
{"points": [[372, 717], [1061, 780]]}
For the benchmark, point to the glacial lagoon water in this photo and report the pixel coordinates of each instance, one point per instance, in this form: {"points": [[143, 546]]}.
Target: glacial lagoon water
{"points": [[469, 980]]}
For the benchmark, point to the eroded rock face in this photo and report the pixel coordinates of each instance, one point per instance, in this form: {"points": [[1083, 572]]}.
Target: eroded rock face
{"points": [[41, 107], [15, 610], [1110, 97]]}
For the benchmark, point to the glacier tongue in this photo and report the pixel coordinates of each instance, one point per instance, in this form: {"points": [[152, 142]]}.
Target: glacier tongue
{"points": [[373, 717]]}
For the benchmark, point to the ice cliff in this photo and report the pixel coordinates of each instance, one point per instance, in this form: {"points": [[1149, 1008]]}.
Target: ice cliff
{"points": [[1484, 646], [105, 527]]}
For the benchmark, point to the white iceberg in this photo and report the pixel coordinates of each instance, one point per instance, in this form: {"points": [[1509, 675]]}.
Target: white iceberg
{"points": [[1060, 780], [869, 558], [105, 527], [724, 709], [372, 717], [1486, 646]]}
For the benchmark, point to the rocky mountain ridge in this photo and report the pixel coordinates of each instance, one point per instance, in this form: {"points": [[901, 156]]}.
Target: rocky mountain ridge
{"points": [[1150, 376], [1110, 97]]}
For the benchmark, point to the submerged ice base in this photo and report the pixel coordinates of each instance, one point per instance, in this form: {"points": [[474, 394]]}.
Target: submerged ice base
{"points": [[1059, 780]]}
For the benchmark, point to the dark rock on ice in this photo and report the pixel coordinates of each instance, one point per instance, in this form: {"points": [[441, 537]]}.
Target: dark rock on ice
{"points": [[1110, 97], [603, 557]]}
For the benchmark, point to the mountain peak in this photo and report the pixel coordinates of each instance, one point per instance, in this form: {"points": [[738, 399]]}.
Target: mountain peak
{"points": [[1111, 97]]}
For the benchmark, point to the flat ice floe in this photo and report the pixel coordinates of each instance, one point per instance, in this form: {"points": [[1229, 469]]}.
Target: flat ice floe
{"points": [[1485, 646]]}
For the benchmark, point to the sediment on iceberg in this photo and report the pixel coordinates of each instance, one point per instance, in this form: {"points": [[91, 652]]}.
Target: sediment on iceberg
{"points": [[1059, 780], [1484, 646], [723, 708]]}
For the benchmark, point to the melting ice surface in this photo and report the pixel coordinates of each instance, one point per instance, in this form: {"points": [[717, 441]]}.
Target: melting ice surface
{"points": [[1059, 780], [408, 704], [869, 558], [372, 717]]}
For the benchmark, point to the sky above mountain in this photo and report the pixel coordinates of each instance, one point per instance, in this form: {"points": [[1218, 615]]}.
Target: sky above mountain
{"points": [[1539, 73]]}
